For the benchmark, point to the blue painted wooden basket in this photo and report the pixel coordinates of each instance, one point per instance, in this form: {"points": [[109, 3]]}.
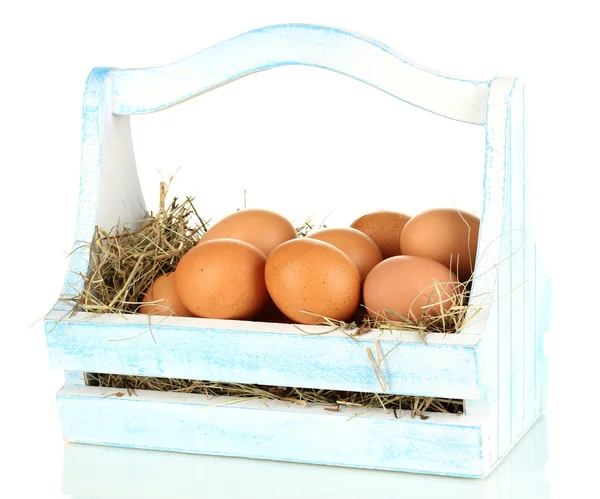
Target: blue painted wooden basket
{"points": [[496, 364]]}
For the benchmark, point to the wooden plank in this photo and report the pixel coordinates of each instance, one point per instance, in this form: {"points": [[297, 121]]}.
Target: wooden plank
{"points": [[493, 273], [529, 319], [546, 328], [444, 444], [544, 315], [505, 388], [109, 189], [151, 89], [517, 253], [274, 354]]}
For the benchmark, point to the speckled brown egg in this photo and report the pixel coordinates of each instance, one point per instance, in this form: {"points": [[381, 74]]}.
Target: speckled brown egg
{"points": [[384, 228], [262, 228], [409, 286], [161, 299], [446, 235], [308, 275], [222, 279], [359, 247]]}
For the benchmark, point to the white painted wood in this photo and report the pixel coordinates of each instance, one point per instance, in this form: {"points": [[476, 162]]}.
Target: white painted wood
{"points": [[151, 89], [109, 191], [530, 316], [247, 352], [75, 378], [444, 444], [492, 279], [521, 473], [517, 253]]}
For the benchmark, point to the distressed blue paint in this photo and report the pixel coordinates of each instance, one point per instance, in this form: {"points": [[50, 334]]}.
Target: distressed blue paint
{"points": [[286, 434], [89, 182], [151, 89], [264, 357]]}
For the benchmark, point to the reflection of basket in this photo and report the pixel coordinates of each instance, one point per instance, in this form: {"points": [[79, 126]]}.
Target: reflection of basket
{"points": [[496, 364]]}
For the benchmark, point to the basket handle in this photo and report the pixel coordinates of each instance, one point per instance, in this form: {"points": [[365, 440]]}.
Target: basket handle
{"points": [[145, 90]]}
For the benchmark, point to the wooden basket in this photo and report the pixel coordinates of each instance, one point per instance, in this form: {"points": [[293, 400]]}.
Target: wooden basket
{"points": [[496, 364]]}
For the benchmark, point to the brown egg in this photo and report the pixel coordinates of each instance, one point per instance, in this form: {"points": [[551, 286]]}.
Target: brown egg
{"points": [[405, 284], [222, 279], [385, 228], [162, 292], [313, 276], [359, 247], [262, 228], [446, 235]]}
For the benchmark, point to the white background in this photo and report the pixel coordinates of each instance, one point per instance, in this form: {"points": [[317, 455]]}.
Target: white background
{"points": [[305, 142]]}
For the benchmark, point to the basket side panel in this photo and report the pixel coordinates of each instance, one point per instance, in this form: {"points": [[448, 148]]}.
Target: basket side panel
{"points": [[206, 350], [186, 424]]}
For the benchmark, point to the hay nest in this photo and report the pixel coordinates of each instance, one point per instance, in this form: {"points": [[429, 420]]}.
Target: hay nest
{"points": [[332, 400], [125, 262]]}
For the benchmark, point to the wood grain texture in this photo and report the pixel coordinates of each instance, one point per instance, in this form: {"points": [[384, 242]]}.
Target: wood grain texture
{"points": [[445, 444], [269, 354], [151, 89]]}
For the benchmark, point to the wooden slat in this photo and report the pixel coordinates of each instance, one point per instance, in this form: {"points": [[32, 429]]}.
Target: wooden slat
{"points": [[444, 444], [505, 339], [272, 354], [529, 318], [517, 261], [547, 324], [492, 276], [521, 473], [542, 324]]}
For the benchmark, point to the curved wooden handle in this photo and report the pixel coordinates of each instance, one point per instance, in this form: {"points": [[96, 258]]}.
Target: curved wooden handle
{"points": [[146, 90]]}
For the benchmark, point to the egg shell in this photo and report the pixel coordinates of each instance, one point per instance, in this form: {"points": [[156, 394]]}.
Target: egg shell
{"points": [[446, 235], [262, 228], [384, 228], [313, 276], [405, 284], [359, 247], [162, 292], [222, 279]]}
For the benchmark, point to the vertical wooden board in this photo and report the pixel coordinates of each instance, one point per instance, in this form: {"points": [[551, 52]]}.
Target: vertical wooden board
{"points": [[517, 264], [542, 307], [492, 278], [489, 405], [504, 288], [547, 326], [529, 317]]}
